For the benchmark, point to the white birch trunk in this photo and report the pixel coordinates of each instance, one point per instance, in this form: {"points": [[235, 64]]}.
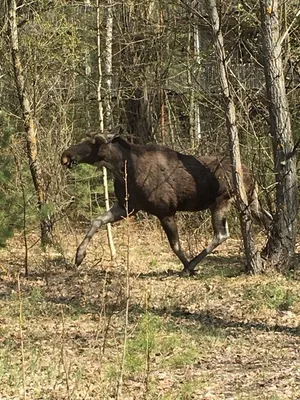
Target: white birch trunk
{"points": [[198, 63], [194, 68], [108, 65], [101, 119], [192, 90]]}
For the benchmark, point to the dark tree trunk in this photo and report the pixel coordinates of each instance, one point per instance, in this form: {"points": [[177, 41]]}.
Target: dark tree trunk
{"points": [[139, 117], [281, 244], [254, 264]]}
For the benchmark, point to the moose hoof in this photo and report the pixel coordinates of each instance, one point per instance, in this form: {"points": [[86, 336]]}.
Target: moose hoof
{"points": [[186, 273], [79, 258]]}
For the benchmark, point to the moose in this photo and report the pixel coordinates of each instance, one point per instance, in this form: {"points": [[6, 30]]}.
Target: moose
{"points": [[161, 181]]}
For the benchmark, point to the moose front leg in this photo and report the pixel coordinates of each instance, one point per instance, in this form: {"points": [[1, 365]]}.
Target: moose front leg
{"points": [[116, 213]]}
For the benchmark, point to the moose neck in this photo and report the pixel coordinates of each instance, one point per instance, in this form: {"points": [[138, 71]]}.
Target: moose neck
{"points": [[119, 158]]}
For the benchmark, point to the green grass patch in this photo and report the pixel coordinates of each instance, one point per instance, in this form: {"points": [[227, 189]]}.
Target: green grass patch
{"points": [[144, 342], [271, 295], [170, 344]]}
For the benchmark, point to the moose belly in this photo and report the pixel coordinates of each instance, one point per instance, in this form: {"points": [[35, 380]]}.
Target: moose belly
{"points": [[164, 202], [195, 204], [167, 198], [197, 196]]}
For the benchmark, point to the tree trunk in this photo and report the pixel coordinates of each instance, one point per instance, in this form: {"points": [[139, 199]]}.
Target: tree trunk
{"points": [[191, 89], [29, 126], [254, 264], [197, 49], [139, 116], [281, 244], [107, 119], [108, 66]]}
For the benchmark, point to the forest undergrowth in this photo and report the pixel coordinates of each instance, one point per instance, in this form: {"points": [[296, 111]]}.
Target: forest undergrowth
{"points": [[132, 329]]}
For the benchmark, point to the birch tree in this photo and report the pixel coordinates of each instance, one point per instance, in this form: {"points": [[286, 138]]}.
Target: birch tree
{"points": [[105, 123], [197, 45], [281, 244], [254, 264], [29, 124]]}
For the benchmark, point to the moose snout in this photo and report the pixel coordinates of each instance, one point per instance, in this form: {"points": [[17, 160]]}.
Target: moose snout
{"points": [[67, 160]]}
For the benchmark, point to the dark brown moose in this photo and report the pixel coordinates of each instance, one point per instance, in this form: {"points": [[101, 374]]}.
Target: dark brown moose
{"points": [[161, 182]]}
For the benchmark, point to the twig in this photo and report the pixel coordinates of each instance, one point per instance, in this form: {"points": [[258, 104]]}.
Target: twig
{"points": [[21, 336], [293, 152], [127, 294], [148, 351], [62, 353], [281, 40]]}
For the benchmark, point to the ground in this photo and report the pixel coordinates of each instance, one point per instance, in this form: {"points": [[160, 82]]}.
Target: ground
{"points": [[132, 329]]}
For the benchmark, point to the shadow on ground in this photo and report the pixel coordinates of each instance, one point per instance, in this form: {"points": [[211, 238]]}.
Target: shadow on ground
{"points": [[213, 266], [70, 280], [209, 319]]}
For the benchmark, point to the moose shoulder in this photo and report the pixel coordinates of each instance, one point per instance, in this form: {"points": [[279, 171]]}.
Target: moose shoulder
{"points": [[161, 182]]}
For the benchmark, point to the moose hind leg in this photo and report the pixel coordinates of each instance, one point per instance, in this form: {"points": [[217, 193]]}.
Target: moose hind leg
{"points": [[221, 233], [116, 213], [170, 227]]}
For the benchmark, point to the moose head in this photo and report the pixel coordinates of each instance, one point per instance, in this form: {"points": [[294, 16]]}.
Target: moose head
{"points": [[88, 150]]}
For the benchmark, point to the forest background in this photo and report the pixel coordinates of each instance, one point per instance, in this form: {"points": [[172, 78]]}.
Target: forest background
{"points": [[151, 67]]}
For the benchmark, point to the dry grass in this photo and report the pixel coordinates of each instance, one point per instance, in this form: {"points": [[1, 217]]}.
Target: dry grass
{"points": [[222, 335]]}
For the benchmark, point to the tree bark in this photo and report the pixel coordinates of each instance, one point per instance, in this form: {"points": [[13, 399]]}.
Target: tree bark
{"points": [[254, 264], [29, 126], [105, 123], [138, 114], [281, 244], [108, 66], [197, 50]]}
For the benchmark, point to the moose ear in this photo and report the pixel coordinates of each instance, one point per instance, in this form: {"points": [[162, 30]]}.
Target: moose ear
{"points": [[115, 133], [117, 130]]}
